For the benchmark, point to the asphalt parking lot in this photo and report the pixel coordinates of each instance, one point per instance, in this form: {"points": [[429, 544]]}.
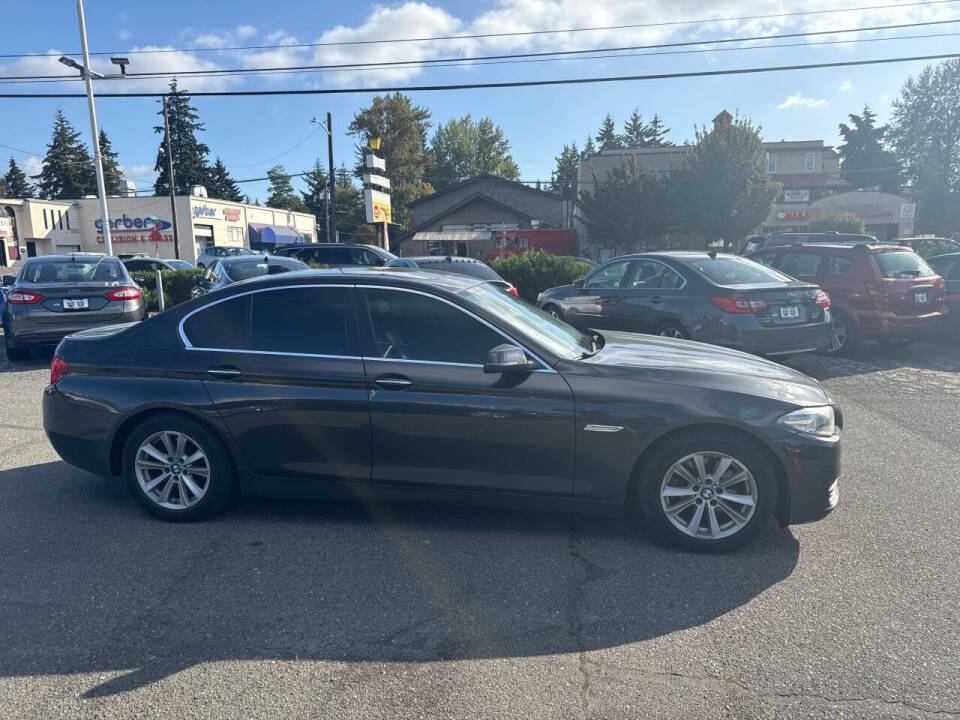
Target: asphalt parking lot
{"points": [[304, 610]]}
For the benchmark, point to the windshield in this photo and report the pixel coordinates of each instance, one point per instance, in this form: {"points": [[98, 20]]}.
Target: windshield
{"points": [[731, 270], [561, 339], [69, 271], [896, 264], [246, 270], [239, 251]]}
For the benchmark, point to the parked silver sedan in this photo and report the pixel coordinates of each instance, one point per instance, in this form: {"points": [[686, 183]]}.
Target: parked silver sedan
{"points": [[56, 295]]}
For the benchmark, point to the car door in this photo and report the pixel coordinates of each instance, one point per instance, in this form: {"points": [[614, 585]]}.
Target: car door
{"points": [[591, 306], [438, 419], [282, 365], [643, 301]]}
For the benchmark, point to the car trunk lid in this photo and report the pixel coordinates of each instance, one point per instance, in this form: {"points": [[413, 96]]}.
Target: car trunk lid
{"points": [[77, 302], [784, 304]]}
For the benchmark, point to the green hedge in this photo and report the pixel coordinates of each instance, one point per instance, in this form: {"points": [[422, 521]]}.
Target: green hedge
{"points": [[534, 271], [177, 286]]}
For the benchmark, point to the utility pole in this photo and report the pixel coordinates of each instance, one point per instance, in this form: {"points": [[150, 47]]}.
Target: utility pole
{"points": [[98, 161], [332, 204], [170, 180]]}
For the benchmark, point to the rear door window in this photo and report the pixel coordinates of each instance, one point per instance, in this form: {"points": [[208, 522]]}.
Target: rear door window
{"points": [[307, 320], [835, 265], [904, 264], [800, 264], [220, 326]]}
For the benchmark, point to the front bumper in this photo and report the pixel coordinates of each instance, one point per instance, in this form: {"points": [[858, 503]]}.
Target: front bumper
{"points": [[813, 468]]}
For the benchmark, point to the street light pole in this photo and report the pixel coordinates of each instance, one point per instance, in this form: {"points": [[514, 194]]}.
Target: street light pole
{"points": [[98, 160]]}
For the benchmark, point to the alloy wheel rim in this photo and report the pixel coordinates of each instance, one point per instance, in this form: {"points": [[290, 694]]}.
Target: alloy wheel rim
{"points": [[671, 332], [708, 495], [838, 335], [172, 470]]}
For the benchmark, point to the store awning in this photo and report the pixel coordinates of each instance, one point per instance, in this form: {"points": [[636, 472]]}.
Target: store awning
{"points": [[262, 234], [454, 236]]}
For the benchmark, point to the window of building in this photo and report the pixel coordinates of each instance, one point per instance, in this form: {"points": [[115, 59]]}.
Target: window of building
{"points": [[408, 326], [308, 237], [46, 226], [300, 320], [221, 325], [66, 217], [235, 235], [60, 218], [810, 162], [771, 163]]}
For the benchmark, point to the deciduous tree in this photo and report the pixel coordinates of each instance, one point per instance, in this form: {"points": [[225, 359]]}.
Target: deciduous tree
{"points": [[462, 149]]}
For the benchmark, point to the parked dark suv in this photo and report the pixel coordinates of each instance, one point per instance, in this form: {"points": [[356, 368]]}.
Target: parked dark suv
{"points": [[338, 254], [877, 292]]}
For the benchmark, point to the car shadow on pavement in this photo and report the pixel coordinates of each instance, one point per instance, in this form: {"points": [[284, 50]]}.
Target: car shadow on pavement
{"points": [[94, 585], [942, 356]]}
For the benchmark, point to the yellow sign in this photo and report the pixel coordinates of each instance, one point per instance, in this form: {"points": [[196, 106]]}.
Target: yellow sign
{"points": [[374, 143], [377, 206]]}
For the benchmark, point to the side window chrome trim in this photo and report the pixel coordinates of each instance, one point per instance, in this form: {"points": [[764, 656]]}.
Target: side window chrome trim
{"points": [[189, 346], [545, 366]]}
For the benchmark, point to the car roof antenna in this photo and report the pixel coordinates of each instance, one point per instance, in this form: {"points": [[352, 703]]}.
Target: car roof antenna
{"points": [[712, 254]]}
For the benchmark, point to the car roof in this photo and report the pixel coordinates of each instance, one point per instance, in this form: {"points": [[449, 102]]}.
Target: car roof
{"points": [[232, 260], [443, 258], [868, 247], [362, 274], [66, 258], [944, 256]]}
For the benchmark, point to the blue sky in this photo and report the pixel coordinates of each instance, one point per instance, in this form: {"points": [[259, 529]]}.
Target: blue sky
{"points": [[253, 134]]}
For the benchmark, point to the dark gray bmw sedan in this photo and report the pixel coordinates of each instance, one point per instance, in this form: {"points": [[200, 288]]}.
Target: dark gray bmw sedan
{"points": [[369, 384], [55, 295]]}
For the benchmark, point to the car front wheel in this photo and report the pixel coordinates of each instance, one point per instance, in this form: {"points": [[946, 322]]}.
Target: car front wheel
{"points": [[709, 491], [177, 468], [14, 354]]}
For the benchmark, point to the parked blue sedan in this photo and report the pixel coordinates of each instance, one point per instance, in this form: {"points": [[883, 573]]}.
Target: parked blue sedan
{"points": [[234, 269]]}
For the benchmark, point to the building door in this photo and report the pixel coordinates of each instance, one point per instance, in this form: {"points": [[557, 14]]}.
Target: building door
{"points": [[31, 248]]}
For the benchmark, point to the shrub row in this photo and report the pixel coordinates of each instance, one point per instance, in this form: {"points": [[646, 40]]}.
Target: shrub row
{"points": [[534, 271]]}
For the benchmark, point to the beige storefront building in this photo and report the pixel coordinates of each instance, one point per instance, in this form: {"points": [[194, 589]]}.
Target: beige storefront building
{"points": [[144, 225]]}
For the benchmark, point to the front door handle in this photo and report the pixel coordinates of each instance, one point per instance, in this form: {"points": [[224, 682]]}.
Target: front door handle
{"points": [[225, 372], [393, 382], [656, 299]]}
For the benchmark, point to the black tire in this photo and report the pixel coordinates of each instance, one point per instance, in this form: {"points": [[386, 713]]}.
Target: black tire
{"points": [[222, 475], [840, 322], [673, 330], [14, 354], [745, 453], [553, 310]]}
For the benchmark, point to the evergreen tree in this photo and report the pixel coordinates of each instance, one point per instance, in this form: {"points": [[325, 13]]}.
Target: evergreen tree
{"points": [[190, 165], [607, 138], [282, 195], [112, 175], [351, 215], [223, 186], [14, 184], [402, 128], [563, 180], [67, 167], [463, 149], [315, 199], [656, 134], [634, 131], [863, 161], [589, 149]]}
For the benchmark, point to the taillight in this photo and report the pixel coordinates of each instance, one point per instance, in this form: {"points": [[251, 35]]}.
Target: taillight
{"points": [[822, 299], [739, 305], [879, 291], [938, 283], [22, 297], [513, 291], [58, 368], [124, 294]]}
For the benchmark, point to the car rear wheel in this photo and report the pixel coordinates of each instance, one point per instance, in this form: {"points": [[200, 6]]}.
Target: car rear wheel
{"points": [[554, 310], [673, 330], [14, 354], [177, 468], [708, 492], [843, 335]]}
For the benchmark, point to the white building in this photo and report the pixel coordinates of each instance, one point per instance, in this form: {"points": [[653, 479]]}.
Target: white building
{"points": [[144, 225]]}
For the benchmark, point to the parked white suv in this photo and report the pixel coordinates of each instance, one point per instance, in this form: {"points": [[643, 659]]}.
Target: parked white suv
{"points": [[209, 255]]}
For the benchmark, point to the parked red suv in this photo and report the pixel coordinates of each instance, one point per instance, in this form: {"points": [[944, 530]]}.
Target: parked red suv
{"points": [[878, 292]]}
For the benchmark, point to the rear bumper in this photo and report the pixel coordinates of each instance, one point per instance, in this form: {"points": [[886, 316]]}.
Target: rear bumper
{"points": [[80, 435], [874, 325], [747, 334], [26, 333]]}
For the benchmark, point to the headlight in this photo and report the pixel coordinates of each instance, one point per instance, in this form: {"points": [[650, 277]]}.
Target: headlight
{"points": [[539, 298], [819, 421]]}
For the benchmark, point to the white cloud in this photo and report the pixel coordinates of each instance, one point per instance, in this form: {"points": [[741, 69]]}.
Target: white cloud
{"points": [[31, 166], [799, 100], [245, 32], [139, 172], [845, 86]]}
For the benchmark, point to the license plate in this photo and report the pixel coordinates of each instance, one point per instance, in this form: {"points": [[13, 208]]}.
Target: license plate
{"points": [[920, 297], [789, 312], [81, 304]]}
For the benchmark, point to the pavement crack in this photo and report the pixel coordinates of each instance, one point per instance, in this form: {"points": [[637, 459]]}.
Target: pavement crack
{"points": [[585, 572]]}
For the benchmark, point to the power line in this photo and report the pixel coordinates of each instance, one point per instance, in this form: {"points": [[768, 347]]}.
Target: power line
{"points": [[495, 85], [525, 33], [506, 56]]}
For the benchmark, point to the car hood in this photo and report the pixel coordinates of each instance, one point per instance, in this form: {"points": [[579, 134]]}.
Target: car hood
{"points": [[708, 366]]}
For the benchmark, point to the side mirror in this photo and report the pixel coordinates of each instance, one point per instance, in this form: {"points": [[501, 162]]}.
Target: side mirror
{"points": [[507, 358], [578, 283]]}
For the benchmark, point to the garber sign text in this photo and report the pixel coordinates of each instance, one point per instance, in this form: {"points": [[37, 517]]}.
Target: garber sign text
{"points": [[128, 223]]}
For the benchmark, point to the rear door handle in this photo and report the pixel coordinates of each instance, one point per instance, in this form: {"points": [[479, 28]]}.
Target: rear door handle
{"points": [[225, 372], [656, 299], [393, 382]]}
